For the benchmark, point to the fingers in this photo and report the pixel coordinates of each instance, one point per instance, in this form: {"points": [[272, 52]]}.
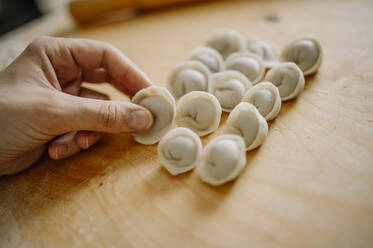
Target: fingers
{"points": [[72, 87], [85, 139], [96, 75], [79, 113], [93, 54], [98, 61], [85, 92], [63, 146], [71, 143]]}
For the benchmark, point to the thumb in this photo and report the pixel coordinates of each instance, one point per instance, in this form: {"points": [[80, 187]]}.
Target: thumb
{"points": [[79, 113]]}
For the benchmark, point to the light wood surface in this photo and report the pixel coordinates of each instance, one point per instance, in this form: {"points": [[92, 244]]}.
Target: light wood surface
{"points": [[309, 185]]}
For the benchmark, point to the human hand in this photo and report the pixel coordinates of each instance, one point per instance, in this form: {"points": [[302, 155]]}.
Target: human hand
{"points": [[41, 98]]}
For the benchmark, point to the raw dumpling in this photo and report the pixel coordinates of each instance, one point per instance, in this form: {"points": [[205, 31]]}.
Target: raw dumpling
{"points": [[263, 49], [209, 57], [198, 111], [179, 150], [228, 87], [162, 105], [306, 52], [188, 76], [246, 121], [223, 160], [266, 98], [249, 64], [288, 78], [226, 41]]}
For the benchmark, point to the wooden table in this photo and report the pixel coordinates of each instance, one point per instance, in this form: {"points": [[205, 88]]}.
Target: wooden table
{"points": [[309, 185]]}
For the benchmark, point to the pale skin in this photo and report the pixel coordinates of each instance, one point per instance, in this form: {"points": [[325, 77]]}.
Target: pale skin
{"points": [[43, 106]]}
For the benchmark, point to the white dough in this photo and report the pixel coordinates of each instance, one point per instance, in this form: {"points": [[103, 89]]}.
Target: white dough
{"points": [[179, 150], [198, 111], [209, 57], [223, 160], [246, 121], [228, 87], [163, 107], [288, 78], [186, 77], [264, 50], [249, 64], [306, 52], [266, 98], [226, 41]]}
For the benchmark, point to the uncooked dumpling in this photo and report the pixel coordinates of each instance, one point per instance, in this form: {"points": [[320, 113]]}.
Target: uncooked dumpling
{"points": [[304, 51], [188, 76], [198, 111], [288, 78], [246, 121], [226, 42], [249, 64], [209, 57], [162, 105], [228, 87], [179, 150], [263, 49], [223, 160], [266, 97]]}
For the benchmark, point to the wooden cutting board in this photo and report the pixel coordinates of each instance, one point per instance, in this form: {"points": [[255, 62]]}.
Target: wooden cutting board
{"points": [[309, 185]]}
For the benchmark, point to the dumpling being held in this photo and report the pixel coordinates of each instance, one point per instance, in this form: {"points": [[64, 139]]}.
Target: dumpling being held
{"points": [[228, 87], [223, 160], [162, 105], [188, 76], [179, 150], [266, 98], [198, 111]]}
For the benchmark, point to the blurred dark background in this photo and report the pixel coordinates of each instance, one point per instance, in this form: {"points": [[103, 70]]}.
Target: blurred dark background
{"points": [[14, 13]]}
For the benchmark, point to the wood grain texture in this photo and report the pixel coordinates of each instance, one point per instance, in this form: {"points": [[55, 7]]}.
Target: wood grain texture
{"points": [[309, 185]]}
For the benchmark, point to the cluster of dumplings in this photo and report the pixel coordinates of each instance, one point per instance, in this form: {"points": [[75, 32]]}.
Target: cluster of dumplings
{"points": [[227, 74]]}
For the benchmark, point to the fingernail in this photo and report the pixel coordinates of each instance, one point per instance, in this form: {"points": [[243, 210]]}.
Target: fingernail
{"points": [[86, 142], [139, 120], [62, 151], [55, 153]]}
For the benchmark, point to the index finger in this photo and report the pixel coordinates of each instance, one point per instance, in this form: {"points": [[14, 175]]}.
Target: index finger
{"points": [[89, 55]]}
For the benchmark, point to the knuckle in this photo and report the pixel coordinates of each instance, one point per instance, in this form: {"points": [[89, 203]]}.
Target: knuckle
{"points": [[39, 42], [107, 46], [43, 38], [108, 115]]}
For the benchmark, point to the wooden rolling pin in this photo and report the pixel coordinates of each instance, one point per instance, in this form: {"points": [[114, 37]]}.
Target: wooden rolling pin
{"points": [[84, 11]]}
